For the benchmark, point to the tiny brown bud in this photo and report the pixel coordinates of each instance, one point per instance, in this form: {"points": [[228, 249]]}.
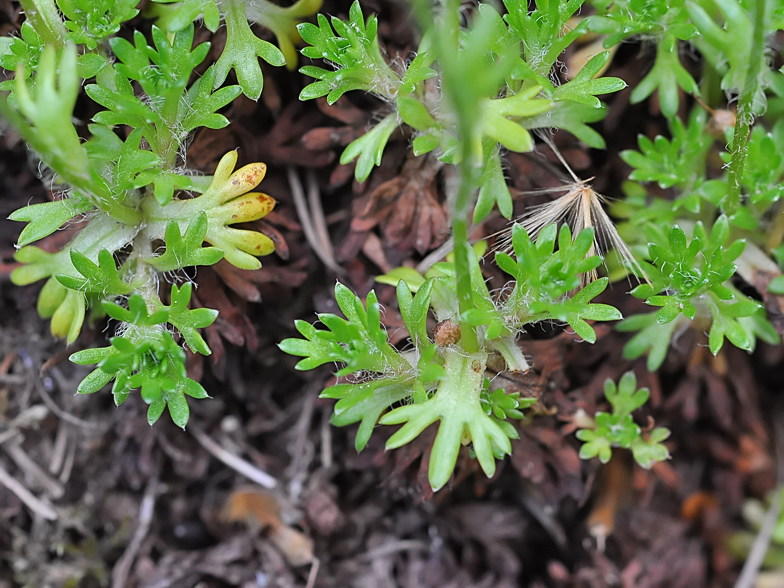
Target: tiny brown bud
{"points": [[446, 333]]}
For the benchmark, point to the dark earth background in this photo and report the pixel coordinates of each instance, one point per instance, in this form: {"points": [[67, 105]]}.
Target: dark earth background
{"points": [[152, 507]]}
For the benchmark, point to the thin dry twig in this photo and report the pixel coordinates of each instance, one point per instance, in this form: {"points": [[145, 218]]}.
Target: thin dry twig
{"points": [[14, 379], [393, 548], [235, 462], [59, 412], [6, 364], [32, 502], [146, 510], [326, 440], [59, 449], [751, 567], [49, 401], [70, 458], [8, 434], [30, 417], [255, 428], [301, 450], [315, 234], [317, 213], [24, 462], [314, 570], [436, 255]]}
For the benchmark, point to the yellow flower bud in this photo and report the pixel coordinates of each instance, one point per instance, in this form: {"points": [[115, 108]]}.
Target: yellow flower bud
{"points": [[51, 297], [247, 208], [69, 316]]}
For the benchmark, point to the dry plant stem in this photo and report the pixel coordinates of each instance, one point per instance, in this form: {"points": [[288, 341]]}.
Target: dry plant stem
{"points": [[435, 256], [58, 451], [9, 434], [313, 574], [759, 548], [560, 157], [233, 461], [393, 548], [276, 421], [13, 379], [301, 450], [23, 461], [49, 402], [317, 214], [751, 567], [326, 440], [146, 511], [745, 116], [776, 228], [70, 457], [59, 412], [30, 416], [38, 506], [6, 364], [533, 504], [323, 250]]}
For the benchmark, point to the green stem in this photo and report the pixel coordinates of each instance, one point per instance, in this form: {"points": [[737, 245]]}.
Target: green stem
{"points": [[710, 87], [466, 128], [106, 201], [462, 266], [123, 214], [46, 21], [745, 116], [167, 145], [102, 197]]}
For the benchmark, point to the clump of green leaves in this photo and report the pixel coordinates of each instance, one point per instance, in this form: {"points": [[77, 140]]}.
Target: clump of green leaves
{"points": [[444, 380], [688, 279], [667, 23], [606, 430], [148, 357], [513, 56], [709, 234], [243, 48], [694, 245], [141, 212]]}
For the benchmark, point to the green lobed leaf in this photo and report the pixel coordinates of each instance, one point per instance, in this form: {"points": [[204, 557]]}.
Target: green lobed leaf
{"points": [[185, 250], [242, 52], [369, 147], [619, 429], [101, 278], [46, 218], [187, 320]]}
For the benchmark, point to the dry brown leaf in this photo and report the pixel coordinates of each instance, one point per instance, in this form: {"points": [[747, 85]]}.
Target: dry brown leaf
{"points": [[232, 324], [342, 110], [612, 487], [330, 137], [407, 207], [696, 503], [259, 510]]}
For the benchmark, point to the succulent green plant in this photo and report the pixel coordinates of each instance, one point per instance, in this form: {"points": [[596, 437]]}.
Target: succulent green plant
{"points": [[692, 248], [140, 212], [605, 431], [444, 378]]}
